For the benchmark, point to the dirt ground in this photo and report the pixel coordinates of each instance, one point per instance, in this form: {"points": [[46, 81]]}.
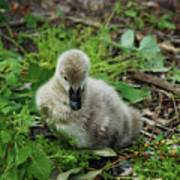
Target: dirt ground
{"points": [[99, 11], [159, 110]]}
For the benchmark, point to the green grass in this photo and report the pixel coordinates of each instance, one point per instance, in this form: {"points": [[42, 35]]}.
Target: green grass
{"points": [[143, 16], [24, 158]]}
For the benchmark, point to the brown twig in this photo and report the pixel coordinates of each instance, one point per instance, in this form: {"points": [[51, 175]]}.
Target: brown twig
{"points": [[175, 107], [84, 21], [12, 41], [156, 81], [160, 126], [171, 98], [169, 48], [157, 114], [19, 22], [22, 22], [169, 95], [120, 159], [148, 134], [168, 100], [145, 156]]}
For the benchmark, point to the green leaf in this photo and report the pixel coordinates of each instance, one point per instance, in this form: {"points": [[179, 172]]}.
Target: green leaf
{"points": [[103, 76], [3, 65], [131, 13], [59, 12], [31, 20], [127, 39], [176, 77], [38, 73], [148, 46], [1, 44], [154, 62], [140, 23], [34, 71], [5, 136], [3, 102], [40, 166], [4, 4], [6, 110], [66, 175], [11, 78], [164, 22], [150, 50], [7, 106], [132, 94], [22, 154], [6, 93]]}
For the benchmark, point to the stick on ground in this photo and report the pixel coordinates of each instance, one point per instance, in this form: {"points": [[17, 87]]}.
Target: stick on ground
{"points": [[156, 81]]}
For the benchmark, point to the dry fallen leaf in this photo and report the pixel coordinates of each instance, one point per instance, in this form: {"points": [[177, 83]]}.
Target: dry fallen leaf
{"points": [[104, 152], [66, 175], [88, 176], [169, 47], [15, 7]]}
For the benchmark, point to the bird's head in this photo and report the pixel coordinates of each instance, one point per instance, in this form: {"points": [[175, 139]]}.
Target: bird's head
{"points": [[72, 71]]}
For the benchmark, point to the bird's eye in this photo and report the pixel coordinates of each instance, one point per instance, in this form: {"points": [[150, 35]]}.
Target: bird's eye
{"points": [[65, 78]]}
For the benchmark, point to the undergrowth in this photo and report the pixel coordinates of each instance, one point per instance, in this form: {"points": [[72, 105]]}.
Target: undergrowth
{"points": [[24, 157]]}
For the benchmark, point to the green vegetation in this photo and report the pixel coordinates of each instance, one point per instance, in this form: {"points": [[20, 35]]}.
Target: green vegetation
{"points": [[140, 18], [22, 157]]}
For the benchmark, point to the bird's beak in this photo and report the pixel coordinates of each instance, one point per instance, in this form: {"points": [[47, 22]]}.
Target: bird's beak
{"points": [[75, 99]]}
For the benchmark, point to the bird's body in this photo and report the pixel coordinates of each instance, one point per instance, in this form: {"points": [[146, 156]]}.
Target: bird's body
{"points": [[102, 119]]}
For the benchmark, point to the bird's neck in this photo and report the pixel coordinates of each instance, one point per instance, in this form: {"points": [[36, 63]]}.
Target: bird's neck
{"points": [[58, 85]]}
